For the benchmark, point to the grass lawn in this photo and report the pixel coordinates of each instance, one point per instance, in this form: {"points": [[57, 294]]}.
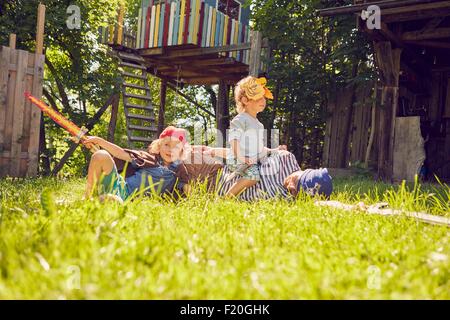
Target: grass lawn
{"points": [[57, 246]]}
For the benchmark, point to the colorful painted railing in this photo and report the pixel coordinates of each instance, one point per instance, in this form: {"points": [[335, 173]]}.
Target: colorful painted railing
{"points": [[189, 22]]}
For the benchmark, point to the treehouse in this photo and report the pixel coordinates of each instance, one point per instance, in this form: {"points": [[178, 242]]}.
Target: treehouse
{"points": [[183, 42], [408, 129]]}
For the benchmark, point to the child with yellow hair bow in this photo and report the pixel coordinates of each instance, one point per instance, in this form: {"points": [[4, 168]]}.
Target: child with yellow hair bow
{"points": [[246, 133]]}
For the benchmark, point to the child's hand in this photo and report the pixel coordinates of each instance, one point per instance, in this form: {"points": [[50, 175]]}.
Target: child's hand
{"points": [[282, 147], [248, 161], [90, 141]]}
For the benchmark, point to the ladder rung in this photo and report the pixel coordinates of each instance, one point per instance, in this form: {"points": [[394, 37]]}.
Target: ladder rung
{"points": [[135, 86], [140, 117], [132, 75], [135, 106], [136, 96], [132, 65], [130, 57], [133, 127], [141, 139]]}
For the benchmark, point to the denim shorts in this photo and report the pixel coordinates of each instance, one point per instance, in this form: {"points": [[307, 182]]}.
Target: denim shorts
{"points": [[242, 170], [114, 184]]}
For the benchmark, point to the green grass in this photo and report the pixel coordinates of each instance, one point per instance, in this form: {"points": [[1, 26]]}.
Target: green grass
{"points": [[57, 246]]}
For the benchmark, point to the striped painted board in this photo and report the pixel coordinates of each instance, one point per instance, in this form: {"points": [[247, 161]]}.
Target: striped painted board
{"points": [[156, 32], [181, 24], [161, 24], [151, 37], [208, 27], [186, 21], [176, 23], [201, 23], [165, 31]]}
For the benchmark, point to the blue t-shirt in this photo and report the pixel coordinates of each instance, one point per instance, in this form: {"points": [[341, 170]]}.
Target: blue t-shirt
{"points": [[161, 179], [316, 181]]}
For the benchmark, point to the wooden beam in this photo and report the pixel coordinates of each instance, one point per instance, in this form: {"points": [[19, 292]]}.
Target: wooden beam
{"points": [[162, 105], [387, 34], [431, 44], [40, 29], [255, 53], [113, 120], [151, 52], [211, 80], [177, 91], [356, 8], [423, 7], [432, 24], [12, 41], [431, 34], [197, 51], [416, 15], [222, 112]]}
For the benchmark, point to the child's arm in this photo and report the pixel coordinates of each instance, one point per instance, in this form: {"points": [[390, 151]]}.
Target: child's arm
{"points": [[114, 150], [236, 152]]}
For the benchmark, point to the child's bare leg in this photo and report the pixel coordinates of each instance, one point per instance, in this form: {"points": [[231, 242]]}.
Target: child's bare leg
{"points": [[240, 186], [101, 163]]}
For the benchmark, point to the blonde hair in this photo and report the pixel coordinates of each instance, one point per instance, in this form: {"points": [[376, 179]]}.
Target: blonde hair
{"points": [[155, 147], [239, 93]]}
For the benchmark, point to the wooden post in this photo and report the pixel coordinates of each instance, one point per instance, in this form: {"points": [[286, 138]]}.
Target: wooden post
{"points": [[113, 120], [162, 105], [36, 114], [119, 29], [388, 62], [40, 29], [222, 112], [255, 52], [12, 41]]}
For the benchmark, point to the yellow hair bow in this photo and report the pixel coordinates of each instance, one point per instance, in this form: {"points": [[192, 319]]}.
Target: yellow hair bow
{"points": [[255, 89]]}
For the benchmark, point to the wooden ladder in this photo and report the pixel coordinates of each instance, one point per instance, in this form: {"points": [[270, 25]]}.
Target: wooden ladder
{"points": [[139, 114]]}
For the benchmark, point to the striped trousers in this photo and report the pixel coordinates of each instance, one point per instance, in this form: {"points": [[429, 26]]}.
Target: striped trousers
{"points": [[273, 170]]}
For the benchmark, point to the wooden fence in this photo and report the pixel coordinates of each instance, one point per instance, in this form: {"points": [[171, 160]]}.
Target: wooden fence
{"points": [[20, 71], [348, 127]]}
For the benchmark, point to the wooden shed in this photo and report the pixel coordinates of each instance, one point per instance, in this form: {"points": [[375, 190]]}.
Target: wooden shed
{"points": [[411, 128]]}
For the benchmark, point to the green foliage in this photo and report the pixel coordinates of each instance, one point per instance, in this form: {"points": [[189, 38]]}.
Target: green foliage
{"points": [[48, 202], [312, 57], [207, 247]]}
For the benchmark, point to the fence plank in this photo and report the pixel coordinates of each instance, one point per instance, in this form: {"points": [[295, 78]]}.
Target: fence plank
{"points": [[4, 74], [33, 148], [19, 102]]}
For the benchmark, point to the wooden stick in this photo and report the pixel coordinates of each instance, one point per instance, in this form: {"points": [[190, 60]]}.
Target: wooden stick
{"points": [[380, 209], [12, 41], [40, 29], [89, 126]]}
